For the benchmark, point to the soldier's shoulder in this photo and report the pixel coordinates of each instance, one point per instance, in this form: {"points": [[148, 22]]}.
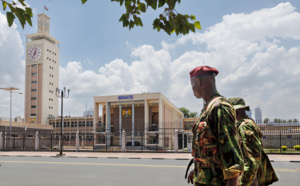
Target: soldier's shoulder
{"points": [[222, 102]]}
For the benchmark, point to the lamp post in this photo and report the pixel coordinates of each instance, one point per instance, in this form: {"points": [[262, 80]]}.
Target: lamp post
{"points": [[62, 94], [10, 90]]}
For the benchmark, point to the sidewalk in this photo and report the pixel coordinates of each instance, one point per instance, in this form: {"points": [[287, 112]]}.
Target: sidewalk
{"points": [[119, 155]]}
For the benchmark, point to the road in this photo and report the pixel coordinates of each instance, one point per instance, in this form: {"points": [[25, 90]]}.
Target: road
{"points": [[46, 171]]}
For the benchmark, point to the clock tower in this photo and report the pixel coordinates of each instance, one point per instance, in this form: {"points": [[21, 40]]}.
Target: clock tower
{"points": [[42, 74]]}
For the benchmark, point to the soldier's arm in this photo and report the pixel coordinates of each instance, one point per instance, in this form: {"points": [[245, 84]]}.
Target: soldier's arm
{"points": [[252, 149], [228, 146]]}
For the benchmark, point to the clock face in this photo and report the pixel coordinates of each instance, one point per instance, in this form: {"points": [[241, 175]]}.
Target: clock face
{"points": [[34, 53]]}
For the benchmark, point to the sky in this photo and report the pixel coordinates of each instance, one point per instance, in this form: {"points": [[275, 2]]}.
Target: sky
{"points": [[255, 45]]}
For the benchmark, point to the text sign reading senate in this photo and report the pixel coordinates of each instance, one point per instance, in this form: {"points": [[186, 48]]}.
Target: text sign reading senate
{"points": [[125, 97]]}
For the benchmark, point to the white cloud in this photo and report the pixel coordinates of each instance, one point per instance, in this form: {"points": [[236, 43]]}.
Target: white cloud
{"points": [[12, 68]]}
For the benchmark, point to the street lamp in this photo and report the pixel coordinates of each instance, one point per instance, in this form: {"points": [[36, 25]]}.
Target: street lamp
{"points": [[62, 95], [10, 90]]}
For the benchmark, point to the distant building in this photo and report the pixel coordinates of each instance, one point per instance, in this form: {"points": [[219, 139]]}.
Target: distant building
{"points": [[258, 116], [41, 74], [249, 113], [88, 113]]}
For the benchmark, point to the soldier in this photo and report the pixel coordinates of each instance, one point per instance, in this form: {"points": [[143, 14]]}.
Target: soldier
{"points": [[217, 156], [258, 169]]}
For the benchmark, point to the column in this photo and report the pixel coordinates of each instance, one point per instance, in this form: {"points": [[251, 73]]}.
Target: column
{"points": [[132, 124], [146, 120], [1, 141], [77, 141], [36, 144], [120, 124], [107, 126], [160, 121]]}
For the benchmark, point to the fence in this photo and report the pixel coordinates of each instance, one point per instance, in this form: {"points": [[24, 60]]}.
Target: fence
{"points": [[163, 140], [277, 138]]}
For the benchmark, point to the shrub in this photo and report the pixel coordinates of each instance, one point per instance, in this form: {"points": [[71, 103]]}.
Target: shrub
{"points": [[284, 148], [297, 147]]}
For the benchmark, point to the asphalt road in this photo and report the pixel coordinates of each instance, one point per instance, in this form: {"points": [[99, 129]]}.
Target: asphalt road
{"points": [[44, 171]]}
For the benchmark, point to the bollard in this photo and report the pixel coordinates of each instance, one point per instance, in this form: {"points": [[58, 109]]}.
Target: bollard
{"points": [[77, 141], [1, 141], [123, 141], [176, 141], [36, 146]]}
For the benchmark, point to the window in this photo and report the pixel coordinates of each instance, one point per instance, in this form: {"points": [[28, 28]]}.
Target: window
{"points": [[32, 114], [34, 74], [33, 82], [30, 136], [35, 65], [15, 135], [264, 137], [33, 106], [33, 98], [289, 137], [33, 90]]}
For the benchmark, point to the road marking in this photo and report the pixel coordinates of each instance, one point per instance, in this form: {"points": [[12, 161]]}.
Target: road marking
{"points": [[99, 164], [128, 165], [286, 170]]}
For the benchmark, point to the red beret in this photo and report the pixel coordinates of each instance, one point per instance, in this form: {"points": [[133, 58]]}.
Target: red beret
{"points": [[203, 71]]}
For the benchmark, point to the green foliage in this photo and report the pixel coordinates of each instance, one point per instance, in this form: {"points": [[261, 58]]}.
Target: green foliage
{"points": [[187, 113], [23, 14], [297, 147], [170, 20], [266, 120]]}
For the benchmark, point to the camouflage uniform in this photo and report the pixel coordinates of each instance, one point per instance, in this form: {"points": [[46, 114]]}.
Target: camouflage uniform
{"points": [[257, 163], [216, 150]]}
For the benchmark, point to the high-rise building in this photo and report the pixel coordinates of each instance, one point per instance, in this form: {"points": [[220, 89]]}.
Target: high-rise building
{"points": [[258, 116], [42, 74]]}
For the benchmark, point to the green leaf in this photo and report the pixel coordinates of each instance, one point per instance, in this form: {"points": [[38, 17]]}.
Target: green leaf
{"points": [[193, 17], [161, 3], [83, 1], [152, 3], [142, 7], [28, 19], [139, 21], [192, 27], [22, 2], [29, 11], [197, 25], [10, 18], [4, 4], [172, 5]]}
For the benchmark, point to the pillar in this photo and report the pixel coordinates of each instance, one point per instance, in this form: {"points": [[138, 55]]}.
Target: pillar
{"points": [[77, 141], [176, 141], [36, 141], [1, 141], [123, 141], [132, 124], [146, 119], [108, 122], [120, 124], [160, 122]]}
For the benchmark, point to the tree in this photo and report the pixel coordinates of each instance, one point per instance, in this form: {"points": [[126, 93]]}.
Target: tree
{"points": [[187, 113], [266, 120], [193, 114], [295, 120], [169, 20], [290, 121]]}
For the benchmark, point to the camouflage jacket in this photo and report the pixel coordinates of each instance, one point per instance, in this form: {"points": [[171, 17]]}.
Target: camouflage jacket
{"points": [[216, 150], [257, 163]]}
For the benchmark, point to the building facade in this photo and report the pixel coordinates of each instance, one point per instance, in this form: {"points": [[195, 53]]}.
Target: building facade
{"points": [[258, 116], [41, 74], [148, 119]]}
